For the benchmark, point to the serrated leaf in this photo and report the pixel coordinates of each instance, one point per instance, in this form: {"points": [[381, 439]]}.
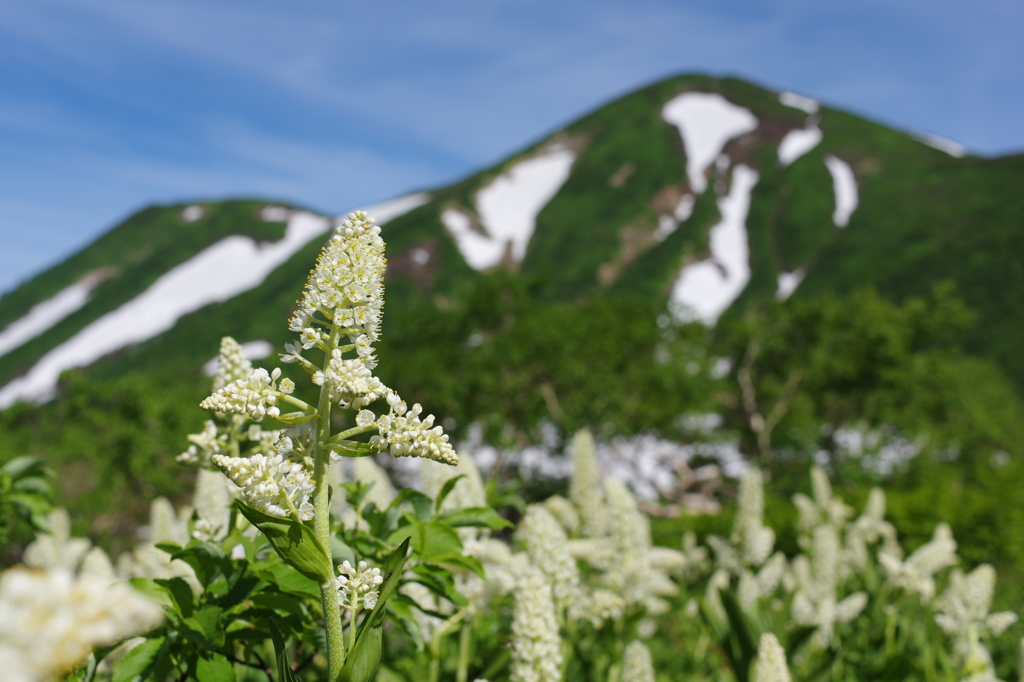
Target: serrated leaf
{"points": [[476, 517], [152, 591], [294, 542], [138, 660], [216, 668], [446, 489]]}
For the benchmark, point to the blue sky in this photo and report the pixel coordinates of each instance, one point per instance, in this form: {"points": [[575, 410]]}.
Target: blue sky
{"points": [[109, 105]]}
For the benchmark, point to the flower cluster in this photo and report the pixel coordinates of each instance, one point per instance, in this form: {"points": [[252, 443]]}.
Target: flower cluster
{"points": [[274, 484], [347, 286], [406, 435], [256, 396], [916, 573], [963, 614], [536, 649], [358, 587], [232, 365], [771, 661], [636, 663], [52, 620], [350, 383]]}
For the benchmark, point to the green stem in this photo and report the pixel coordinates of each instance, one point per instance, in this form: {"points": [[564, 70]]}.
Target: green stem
{"points": [[322, 530], [462, 674], [354, 431]]}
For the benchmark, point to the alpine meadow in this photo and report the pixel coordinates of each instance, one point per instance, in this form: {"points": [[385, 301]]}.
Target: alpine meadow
{"points": [[714, 383]]}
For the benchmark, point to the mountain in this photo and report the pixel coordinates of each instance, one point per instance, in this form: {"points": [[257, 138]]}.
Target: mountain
{"points": [[704, 194]]}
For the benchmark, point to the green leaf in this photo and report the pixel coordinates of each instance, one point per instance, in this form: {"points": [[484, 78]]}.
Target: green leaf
{"points": [[204, 627], [21, 467], [295, 418], [439, 581], [180, 593], [353, 448], [206, 559], [402, 613], [460, 561], [284, 671], [364, 657], [361, 664], [340, 551], [287, 579], [448, 486], [421, 504], [138, 661], [428, 539], [216, 668], [294, 542], [476, 517]]}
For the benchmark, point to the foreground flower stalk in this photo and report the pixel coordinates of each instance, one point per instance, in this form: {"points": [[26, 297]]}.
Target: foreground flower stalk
{"points": [[339, 315]]}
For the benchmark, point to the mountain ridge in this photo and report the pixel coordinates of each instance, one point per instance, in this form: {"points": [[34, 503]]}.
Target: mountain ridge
{"points": [[621, 200]]}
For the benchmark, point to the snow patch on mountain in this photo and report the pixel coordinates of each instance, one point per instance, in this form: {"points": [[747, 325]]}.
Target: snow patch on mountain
{"points": [[844, 183], [791, 99], [479, 251], [508, 208], [942, 144], [44, 315], [254, 350], [798, 142], [706, 122], [710, 286], [192, 213], [219, 272], [788, 282], [389, 210]]}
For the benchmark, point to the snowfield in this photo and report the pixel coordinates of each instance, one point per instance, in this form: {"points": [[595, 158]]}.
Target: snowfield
{"points": [[844, 184], [798, 142], [44, 315], [788, 282], [508, 208], [710, 286], [219, 272], [952, 148], [791, 99], [706, 123]]}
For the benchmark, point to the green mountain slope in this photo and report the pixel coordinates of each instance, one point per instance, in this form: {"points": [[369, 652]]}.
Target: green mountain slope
{"points": [[923, 217]]}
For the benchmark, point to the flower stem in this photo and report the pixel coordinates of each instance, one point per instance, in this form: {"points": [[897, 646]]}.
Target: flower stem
{"points": [[462, 674], [322, 530]]}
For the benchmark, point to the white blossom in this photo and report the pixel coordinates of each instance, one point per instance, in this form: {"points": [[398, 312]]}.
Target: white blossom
{"points": [[585, 485], [350, 383], [57, 549], [636, 663], [749, 532], [963, 614], [770, 665], [204, 445], [546, 543], [536, 645], [232, 365], [916, 573], [358, 587], [404, 434], [212, 502], [52, 620], [273, 484], [255, 396]]}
